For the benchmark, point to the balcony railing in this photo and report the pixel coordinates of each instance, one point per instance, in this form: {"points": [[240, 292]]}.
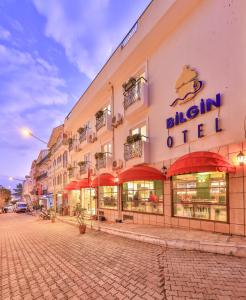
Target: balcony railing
{"points": [[101, 162], [101, 121], [133, 150], [42, 176], [70, 173], [133, 94], [82, 136], [83, 169]]}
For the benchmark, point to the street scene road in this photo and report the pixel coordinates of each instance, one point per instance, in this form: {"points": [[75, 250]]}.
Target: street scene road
{"points": [[44, 260]]}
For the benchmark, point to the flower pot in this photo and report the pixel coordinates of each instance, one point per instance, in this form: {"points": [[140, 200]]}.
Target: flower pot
{"points": [[82, 228]]}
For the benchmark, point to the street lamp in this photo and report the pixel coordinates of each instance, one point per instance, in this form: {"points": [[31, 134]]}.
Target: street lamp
{"points": [[13, 178], [27, 133]]}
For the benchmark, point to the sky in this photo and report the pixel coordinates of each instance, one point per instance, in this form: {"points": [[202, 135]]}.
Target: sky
{"points": [[50, 51]]}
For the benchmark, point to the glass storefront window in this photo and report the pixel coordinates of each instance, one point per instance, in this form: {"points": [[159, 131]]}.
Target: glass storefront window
{"points": [[108, 197], [200, 196], [143, 196], [89, 200]]}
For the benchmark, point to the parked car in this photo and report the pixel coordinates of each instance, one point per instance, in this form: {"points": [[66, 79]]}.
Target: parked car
{"points": [[8, 208], [20, 207]]}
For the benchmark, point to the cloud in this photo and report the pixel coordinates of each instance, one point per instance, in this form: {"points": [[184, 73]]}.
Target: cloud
{"points": [[88, 30], [4, 34], [28, 81], [32, 94]]}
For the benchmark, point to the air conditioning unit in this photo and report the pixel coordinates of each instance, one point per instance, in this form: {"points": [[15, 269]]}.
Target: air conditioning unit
{"points": [[117, 120], [117, 164]]}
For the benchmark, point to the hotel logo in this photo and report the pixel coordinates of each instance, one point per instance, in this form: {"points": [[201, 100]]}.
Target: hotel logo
{"points": [[187, 86]]}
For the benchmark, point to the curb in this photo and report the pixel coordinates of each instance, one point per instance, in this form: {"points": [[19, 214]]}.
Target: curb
{"points": [[203, 246]]}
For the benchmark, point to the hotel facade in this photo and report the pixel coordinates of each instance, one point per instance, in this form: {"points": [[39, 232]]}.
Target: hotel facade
{"points": [[159, 136]]}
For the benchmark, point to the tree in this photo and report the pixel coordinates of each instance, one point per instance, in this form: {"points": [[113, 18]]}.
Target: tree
{"points": [[18, 190], [5, 196]]}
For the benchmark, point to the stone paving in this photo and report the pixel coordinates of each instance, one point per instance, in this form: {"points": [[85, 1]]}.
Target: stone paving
{"points": [[41, 260]]}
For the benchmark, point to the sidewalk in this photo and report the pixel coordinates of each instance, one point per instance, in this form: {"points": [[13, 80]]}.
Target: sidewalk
{"points": [[171, 237]]}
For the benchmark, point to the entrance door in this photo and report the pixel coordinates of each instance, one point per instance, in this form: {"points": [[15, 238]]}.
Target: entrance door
{"points": [[89, 201]]}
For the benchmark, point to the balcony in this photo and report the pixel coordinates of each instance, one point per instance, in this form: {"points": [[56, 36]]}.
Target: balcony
{"points": [[135, 96], [103, 122], [137, 152], [103, 162], [83, 136], [83, 168], [42, 176]]}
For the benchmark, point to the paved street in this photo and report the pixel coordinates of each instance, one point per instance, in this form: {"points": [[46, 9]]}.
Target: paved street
{"points": [[41, 260]]}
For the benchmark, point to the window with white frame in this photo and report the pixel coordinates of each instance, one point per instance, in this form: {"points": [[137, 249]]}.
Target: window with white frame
{"points": [[141, 129]]}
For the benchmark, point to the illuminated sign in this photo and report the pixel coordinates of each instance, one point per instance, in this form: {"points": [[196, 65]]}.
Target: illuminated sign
{"points": [[187, 87]]}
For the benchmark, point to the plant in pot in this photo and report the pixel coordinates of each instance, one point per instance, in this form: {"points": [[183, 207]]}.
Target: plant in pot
{"points": [[80, 215], [99, 155], [129, 84], [99, 114], [82, 163], [81, 130], [133, 138]]}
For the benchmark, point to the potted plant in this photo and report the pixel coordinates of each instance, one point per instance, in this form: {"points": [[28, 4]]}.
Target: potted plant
{"points": [[99, 155], [69, 168], [129, 84], [80, 214], [99, 114], [133, 138], [82, 163], [81, 130]]}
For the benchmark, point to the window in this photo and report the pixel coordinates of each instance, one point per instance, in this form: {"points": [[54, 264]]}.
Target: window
{"points": [[200, 196], [142, 129], [108, 197], [87, 157], [65, 159], [108, 109], [107, 148], [65, 178], [143, 196]]}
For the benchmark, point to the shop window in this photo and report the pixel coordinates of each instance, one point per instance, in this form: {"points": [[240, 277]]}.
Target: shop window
{"points": [[200, 196], [108, 197], [143, 196]]}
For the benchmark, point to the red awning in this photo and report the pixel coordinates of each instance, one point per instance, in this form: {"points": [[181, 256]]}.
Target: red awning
{"points": [[73, 185], [83, 183], [104, 179], [140, 173], [202, 161]]}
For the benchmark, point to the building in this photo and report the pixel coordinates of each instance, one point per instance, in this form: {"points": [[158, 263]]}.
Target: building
{"points": [[159, 136], [27, 190], [42, 166], [57, 173]]}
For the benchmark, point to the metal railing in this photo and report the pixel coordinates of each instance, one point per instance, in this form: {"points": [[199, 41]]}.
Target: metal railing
{"points": [[133, 150], [83, 169], [100, 122], [101, 162], [133, 94], [42, 176], [129, 35], [82, 136]]}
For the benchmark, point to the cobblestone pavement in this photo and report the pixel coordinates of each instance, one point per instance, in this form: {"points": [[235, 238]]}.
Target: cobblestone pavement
{"points": [[41, 260]]}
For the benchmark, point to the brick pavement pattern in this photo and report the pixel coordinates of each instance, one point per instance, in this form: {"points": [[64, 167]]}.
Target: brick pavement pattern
{"points": [[41, 260]]}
